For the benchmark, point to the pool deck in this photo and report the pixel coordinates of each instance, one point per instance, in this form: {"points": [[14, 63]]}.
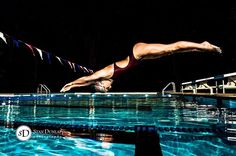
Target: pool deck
{"points": [[216, 95], [79, 93]]}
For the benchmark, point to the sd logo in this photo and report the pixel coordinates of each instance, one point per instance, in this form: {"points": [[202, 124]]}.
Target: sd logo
{"points": [[23, 133]]}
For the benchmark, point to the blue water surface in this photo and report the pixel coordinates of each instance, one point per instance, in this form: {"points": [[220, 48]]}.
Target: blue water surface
{"points": [[186, 128]]}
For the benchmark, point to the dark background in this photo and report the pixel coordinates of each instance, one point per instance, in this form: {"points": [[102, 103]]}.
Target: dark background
{"points": [[97, 33]]}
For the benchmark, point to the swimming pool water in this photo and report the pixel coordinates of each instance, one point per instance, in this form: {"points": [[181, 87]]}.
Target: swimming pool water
{"points": [[44, 144], [185, 127]]}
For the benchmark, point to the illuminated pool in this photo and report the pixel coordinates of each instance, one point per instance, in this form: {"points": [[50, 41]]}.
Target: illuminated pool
{"points": [[108, 124]]}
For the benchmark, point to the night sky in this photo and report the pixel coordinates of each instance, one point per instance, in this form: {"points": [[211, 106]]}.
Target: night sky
{"points": [[97, 33]]}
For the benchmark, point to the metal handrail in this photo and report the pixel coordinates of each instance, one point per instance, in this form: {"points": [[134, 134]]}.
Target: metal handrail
{"points": [[173, 86], [43, 88]]}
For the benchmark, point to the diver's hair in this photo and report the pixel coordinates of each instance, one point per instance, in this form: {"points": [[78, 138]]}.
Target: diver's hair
{"points": [[98, 87]]}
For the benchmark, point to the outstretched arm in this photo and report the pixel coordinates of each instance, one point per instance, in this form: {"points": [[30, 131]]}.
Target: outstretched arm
{"points": [[104, 73]]}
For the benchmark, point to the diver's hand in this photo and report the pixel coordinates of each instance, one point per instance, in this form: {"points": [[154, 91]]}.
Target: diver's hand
{"points": [[67, 87], [75, 84]]}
